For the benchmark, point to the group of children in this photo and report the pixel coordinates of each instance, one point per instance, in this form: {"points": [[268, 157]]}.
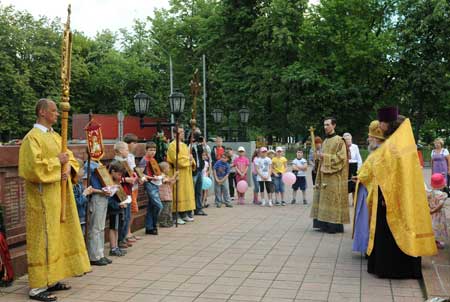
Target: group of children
{"points": [[105, 201], [268, 168]]}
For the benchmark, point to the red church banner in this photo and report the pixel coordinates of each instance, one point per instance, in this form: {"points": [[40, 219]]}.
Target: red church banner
{"points": [[94, 140]]}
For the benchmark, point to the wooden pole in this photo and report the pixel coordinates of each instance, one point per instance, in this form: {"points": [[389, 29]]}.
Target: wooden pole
{"points": [[64, 104], [88, 183]]}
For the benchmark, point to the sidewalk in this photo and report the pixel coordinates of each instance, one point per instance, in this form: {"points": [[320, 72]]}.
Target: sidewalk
{"points": [[245, 253]]}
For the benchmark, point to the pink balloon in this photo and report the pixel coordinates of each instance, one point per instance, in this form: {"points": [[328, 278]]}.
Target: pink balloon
{"points": [[289, 178], [242, 186]]}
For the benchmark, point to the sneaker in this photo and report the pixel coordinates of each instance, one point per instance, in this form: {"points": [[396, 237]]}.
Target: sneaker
{"points": [[116, 252], [181, 221], [277, 203], [109, 261], [124, 252], [151, 232], [218, 205], [100, 262], [293, 201], [228, 205], [232, 197], [270, 203], [304, 201], [283, 203], [188, 219], [263, 203]]}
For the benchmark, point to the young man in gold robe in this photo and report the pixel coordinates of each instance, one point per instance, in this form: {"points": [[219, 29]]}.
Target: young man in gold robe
{"points": [[55, 250], [330, 200], [185, 191]]}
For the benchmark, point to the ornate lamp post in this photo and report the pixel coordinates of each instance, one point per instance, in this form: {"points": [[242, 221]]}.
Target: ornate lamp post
{"points": [[244, 113]]}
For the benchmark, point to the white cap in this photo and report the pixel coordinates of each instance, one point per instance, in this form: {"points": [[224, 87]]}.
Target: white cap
{"points": [[241, 149], [279, 149]]}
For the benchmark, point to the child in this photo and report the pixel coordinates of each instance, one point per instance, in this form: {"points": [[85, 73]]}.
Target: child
{"points": [[205, 173], [122, 152], [116, 210], [152, 181], [241, 163], [98, 207], [232, 175], [279, 165], [264, 171], [80, 194], [221, 172], [436, 201], [166, 196], [132, 141], [255, 157], [299, 167]]}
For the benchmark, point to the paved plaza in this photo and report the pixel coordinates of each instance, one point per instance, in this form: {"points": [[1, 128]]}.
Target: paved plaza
{"points": [[244, 253]]}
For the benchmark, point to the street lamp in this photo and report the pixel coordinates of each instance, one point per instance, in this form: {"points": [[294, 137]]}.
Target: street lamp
{"points": [[243, 114], [141, 103], [217, 115], [176, 101]]}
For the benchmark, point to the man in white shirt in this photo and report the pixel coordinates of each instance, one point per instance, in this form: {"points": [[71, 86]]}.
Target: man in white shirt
{"points": [[355, 161], [355, 156]]}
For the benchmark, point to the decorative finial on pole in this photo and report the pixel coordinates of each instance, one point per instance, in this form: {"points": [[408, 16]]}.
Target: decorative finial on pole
{"points": [[64, 104]]}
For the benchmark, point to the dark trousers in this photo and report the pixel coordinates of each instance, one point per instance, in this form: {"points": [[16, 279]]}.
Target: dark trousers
{"points": [[231, 183], [198, 181], [123, 231]]}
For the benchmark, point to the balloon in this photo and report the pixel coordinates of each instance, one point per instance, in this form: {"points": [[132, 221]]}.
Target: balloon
{"points": [[242, 186], [289, 178], [206, 183]]}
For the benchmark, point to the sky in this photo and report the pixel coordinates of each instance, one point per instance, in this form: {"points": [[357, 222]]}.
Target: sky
{"points": [[91, 16]]}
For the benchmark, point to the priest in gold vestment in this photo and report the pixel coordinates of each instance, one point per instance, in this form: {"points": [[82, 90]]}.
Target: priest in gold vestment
{"points": [[400, 230], [330, 200], [55, 250], [185, 191]]}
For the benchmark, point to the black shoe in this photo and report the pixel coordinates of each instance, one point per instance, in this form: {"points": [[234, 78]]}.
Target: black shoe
{"points": [[151, 232], [305, 202], [200, 213], [107, 260], [100, 262], [228, 205]]}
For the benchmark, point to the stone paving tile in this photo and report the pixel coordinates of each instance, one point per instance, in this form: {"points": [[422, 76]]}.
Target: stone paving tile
{"points": [[246, 253], [146, 298]]}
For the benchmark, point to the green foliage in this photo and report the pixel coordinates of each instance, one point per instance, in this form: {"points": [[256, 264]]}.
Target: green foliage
{"points": [[289, 62]]}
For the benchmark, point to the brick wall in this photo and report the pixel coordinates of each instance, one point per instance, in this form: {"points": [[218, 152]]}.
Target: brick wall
{"points": [[12, 199]]}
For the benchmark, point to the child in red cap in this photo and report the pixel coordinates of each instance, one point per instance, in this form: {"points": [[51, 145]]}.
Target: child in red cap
{"points": [[436, 201]]}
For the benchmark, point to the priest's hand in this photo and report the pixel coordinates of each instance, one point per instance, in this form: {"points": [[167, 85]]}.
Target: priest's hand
{"points": [[63, 157], [66, 173]]}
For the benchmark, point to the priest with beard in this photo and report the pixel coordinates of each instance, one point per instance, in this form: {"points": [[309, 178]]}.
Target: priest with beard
{"points": [[330, 200], [400, 229], [361, 218]]}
